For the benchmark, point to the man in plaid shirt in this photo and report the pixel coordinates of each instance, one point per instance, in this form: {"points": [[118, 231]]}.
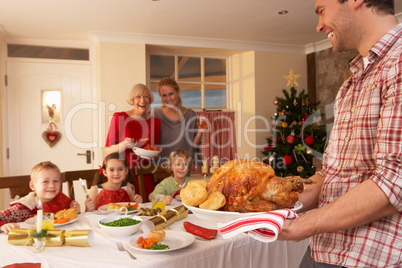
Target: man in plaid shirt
{"points": [[358, 194]]}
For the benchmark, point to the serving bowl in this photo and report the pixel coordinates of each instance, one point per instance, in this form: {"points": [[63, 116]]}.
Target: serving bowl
{"points": [[118, 231], [146, 153]]}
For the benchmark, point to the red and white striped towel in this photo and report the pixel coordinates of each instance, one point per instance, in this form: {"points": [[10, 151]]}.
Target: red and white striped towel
{"points": [[264, 227]]}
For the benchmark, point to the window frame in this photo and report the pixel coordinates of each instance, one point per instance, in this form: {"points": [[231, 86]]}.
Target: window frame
{"points": [[202, 83]]}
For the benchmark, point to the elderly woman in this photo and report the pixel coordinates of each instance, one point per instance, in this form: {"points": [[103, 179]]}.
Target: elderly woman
{"points": [[179, 126], [135, 128]]}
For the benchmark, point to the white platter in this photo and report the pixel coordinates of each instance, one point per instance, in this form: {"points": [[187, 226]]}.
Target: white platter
{"points": [[225, 216], [174, 239], [31, 222], [146, 153], [104, 208]]}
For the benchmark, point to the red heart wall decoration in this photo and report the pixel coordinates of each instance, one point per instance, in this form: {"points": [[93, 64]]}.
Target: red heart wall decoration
{"points": [[51, 136]]}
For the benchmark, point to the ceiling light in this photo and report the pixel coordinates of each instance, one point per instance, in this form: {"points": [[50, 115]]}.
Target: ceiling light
{"points": [[283, 12]]}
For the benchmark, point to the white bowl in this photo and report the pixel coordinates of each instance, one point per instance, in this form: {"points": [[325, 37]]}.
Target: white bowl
{"points": [[146, 153], [95, 216], [119, 231], [226, 216]]}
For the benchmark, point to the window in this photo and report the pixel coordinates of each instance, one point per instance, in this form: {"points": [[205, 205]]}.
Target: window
{"points": [[203, 80]]}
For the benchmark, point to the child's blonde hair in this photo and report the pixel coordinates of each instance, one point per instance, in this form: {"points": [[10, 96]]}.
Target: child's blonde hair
{"points": [[41, 166], [180, 153]]}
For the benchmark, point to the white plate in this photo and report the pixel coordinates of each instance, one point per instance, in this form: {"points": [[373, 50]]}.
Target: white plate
{"points": [[225, 216], [174, 239], [104, 208], [146, 153], [31, 222]]}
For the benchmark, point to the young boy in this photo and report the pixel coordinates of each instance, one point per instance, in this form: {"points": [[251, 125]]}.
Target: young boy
{"points": [[180, 163], [45, 184]]}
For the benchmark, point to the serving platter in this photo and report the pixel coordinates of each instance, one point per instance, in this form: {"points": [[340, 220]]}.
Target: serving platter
{"points": [[31, 222], [225, 216], [174, 239]]}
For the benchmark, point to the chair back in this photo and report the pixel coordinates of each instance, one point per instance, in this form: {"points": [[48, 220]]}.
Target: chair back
{"points": [[19, 185], [159, 172]]}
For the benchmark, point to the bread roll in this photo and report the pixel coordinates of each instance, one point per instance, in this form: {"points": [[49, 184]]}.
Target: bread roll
{"points": [[194, 193], [70, 214], [112, 206], [215, 201], [59, 214], [158, 235]]}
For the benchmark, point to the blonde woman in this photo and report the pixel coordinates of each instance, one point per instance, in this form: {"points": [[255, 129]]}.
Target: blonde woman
{"points": [[135, 128], [179, 128]]}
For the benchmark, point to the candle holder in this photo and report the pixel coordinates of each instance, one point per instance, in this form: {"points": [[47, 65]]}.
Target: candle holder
{"points": [[38, 245], [39, 241]]}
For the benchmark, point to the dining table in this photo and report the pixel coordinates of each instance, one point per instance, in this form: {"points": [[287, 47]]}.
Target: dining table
{"points": [[239, 251]]}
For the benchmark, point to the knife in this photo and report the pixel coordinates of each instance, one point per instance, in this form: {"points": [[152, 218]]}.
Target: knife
{"points": [[84, 187]]}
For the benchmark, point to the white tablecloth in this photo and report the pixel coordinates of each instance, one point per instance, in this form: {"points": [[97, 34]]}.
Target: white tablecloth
{"points": [[240, 251]]}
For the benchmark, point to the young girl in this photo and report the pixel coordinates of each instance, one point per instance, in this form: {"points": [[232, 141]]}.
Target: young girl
{"points": [[180, 163], [113, 184], [45, 184]]}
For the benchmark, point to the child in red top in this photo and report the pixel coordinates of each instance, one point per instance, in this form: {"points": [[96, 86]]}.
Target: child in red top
{"points": [[46, 184], [113, 184]]}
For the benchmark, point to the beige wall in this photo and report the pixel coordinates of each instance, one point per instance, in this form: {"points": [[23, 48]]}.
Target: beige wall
{"points": [[119, 68], [269, 82], [257, 81], [244, 102]]}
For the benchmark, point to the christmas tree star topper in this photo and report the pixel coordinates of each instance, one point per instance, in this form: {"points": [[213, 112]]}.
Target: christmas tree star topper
{"points": [[292, 78]]}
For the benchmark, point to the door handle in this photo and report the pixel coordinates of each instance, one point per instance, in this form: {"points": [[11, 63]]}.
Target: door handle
{"points": [[88, 155]]}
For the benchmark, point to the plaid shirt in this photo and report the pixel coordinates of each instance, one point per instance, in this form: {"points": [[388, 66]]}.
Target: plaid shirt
{"points": [[366, 143]]}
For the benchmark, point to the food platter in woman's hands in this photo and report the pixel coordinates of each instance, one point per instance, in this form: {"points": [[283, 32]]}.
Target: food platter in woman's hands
{"points": [[226, 216], [147, 151]]}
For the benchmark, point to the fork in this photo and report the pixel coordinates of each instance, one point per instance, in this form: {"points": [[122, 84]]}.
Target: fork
{"points": [[121, 248]]}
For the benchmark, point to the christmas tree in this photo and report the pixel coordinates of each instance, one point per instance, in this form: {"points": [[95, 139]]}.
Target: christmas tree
{"points": [[297, 137]]}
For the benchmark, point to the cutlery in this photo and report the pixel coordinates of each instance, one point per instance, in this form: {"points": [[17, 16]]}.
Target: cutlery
{"points": [[84, 187], [175, 189], [121, 248]]}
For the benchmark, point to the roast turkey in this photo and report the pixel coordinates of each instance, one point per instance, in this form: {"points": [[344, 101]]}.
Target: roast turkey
{"points": [[251, 186]]}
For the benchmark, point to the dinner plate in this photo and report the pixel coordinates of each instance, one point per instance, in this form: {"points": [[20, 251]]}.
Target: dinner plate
{"points": [[31, 222], [225, 216], [174, 239], [104, 208], [146, 153]]}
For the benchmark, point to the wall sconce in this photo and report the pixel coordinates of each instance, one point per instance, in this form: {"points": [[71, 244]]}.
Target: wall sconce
{"points": [[51, 101]]}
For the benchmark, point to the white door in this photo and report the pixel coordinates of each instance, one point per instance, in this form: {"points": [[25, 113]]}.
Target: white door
{"points": [[26, 146]]}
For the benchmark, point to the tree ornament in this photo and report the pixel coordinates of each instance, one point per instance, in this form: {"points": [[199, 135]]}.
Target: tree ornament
{"points": [[283, 113], [291, 78], [294, 103], [287, 160], [276, 114], [300, 169], [306, 115], [309, 151], [290, 139], [266, 147], [309, 140], [302, 121], [284, 124], [287, 106], [276, 101]]}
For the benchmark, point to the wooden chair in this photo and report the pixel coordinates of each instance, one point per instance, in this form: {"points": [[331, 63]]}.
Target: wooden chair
{"points": [[18, 185], [158, 171]]}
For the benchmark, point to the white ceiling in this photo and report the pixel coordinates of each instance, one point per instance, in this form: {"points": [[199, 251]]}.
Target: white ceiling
{"points": [[253, 22]]}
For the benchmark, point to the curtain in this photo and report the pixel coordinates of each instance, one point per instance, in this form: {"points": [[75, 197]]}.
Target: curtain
{"points": [[219, 138]]}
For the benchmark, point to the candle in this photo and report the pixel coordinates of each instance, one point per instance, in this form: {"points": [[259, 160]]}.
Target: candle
{"points": [[39, 217]]}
